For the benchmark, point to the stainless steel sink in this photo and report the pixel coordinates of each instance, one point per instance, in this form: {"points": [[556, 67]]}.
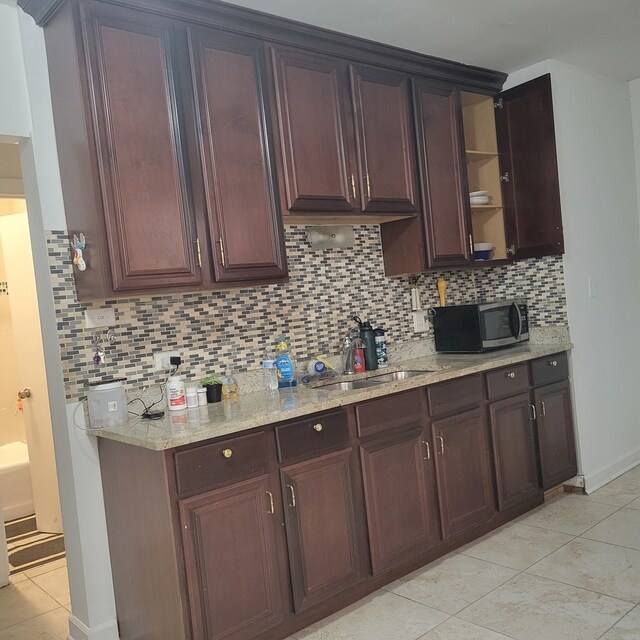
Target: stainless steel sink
{"points": [[395, 376], [350, 385], [382, 378]]}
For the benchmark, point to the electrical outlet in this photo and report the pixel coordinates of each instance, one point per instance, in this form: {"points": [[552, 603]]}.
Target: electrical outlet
{"points": [[421, 321], [162, 360]]}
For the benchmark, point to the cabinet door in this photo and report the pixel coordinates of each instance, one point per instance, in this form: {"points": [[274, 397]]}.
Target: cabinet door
{"points": [[148, 213], [526, 138], [385, 140], [463, 467], [443, 174], [231, 561], [513, 450], [236, 149], [325, 549], [555, 434], [399, 489], [316, 132]]}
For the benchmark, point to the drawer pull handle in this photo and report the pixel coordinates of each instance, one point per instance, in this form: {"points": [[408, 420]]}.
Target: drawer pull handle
{"points": [[293, 496], [317, 427], [544, 409], [428, 448], [227, 453], [553, 363], [441, 444], [272, 510], [533, 411], [511, 374]]}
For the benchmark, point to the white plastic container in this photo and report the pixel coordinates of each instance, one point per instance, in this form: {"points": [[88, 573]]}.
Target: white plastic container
{"points": [[176, 394], [192, 397], [107, 404]]}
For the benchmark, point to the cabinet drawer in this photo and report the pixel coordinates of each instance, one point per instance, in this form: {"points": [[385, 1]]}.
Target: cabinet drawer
{"points": [[508, 381], [220, 463], [388, 413], [455, 395], [550, 369], [312, 436]]}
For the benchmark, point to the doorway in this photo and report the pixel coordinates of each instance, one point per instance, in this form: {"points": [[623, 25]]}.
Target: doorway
{"points": [[29, 498]]}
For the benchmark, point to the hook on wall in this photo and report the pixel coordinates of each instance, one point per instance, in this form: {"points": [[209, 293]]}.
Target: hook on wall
{"points": [[98, 342]]}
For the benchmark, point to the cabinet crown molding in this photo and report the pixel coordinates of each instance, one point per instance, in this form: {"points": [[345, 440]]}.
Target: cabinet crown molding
{"points": [[284, 31]]}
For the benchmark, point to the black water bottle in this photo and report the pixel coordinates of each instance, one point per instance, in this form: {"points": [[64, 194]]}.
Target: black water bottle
{"points": [[367, 334]]}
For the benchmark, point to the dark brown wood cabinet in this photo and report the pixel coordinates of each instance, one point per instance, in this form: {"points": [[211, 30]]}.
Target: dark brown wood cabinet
{"points": [[556, 439], [441, 236], [385, 140], [463, 465], [232, 567], [514, 454], [398, 477], [325, 547], [242, 202], [172, 180], [551, 399], [148, 216], [264, 533], [527, 145], [315, 126], [346, 146]]}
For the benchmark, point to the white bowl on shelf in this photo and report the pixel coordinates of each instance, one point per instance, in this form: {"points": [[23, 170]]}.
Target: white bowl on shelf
{"points": [[482, 250]]}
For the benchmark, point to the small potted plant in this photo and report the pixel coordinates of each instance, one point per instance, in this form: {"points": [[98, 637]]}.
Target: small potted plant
{"points": [[213, 385]]}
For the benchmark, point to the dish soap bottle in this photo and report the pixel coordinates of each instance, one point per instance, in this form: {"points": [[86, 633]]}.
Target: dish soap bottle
{"points": [[285, 364], [230, 388]]}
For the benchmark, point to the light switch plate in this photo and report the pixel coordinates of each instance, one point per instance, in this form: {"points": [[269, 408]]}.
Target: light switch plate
{"points": [[94, 318], [421, 321]]}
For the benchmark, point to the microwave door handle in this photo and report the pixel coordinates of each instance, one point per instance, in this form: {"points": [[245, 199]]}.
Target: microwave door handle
{"points": [[519, 316]]}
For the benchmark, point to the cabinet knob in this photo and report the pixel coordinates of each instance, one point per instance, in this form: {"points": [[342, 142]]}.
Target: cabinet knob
{"points": [[553, 363], [227, 453], [511, 374], [317, 427]]}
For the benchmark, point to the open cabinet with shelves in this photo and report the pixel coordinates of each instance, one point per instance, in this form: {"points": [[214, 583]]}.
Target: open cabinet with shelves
{"points": [[483, 171]]}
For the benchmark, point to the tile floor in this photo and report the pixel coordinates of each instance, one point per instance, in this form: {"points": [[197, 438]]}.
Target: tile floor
{"points": [[569, 570]]}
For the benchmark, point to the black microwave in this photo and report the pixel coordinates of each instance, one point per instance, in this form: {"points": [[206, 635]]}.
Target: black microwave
{"points": [[473, 328]]}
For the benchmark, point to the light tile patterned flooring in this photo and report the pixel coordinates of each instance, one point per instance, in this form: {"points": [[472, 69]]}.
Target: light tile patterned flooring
{"points": [[569, 570]]}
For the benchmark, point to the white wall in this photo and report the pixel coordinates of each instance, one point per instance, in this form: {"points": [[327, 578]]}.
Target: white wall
{"points": [[14, 105], [600, 217], [27, 117], [634, 92]]}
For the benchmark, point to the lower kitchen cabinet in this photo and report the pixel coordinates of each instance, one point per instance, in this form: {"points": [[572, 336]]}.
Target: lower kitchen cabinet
{"points": [[231, 561], [325, 547], [514, 453], [402, 508], [556, 440], [463, 466]]}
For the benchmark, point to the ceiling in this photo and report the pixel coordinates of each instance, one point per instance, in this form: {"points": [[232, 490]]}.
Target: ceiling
{"points": [[601, 35]]}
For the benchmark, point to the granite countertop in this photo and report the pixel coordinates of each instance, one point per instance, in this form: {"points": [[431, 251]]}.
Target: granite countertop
{"points": [[253, 410]]}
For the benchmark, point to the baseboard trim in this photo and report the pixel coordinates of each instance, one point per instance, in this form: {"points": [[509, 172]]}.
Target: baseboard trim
{"points": [[105, 631], [597, 479]]}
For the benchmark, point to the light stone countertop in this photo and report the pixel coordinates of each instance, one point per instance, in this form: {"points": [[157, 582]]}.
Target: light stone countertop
{"points": [[257, 409]]}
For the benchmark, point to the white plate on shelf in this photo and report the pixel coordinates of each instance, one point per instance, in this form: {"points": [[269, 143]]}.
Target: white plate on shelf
{"points": [[480, 200], [473, 194]]}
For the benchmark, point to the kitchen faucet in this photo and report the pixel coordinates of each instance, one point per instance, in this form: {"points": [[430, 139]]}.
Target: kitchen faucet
{"points": [[352, 341]]}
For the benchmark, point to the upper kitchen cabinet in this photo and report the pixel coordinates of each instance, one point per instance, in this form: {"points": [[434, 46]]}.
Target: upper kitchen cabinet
{"points": [[385, 141], [171, 177], [239, 177], [333, 161], [484, 174], [527, 145], [499, 148], [133, 199], [316, 132]]}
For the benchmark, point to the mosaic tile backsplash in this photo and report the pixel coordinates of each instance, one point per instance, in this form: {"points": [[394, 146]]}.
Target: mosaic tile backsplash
{"points": [[213, 330]]}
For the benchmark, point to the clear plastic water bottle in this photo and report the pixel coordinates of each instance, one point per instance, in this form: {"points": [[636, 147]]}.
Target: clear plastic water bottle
{"points": [[269, 371]]}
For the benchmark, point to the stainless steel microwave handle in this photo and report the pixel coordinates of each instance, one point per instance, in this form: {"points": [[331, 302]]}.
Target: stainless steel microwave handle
{"points": [[519, 314]]}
